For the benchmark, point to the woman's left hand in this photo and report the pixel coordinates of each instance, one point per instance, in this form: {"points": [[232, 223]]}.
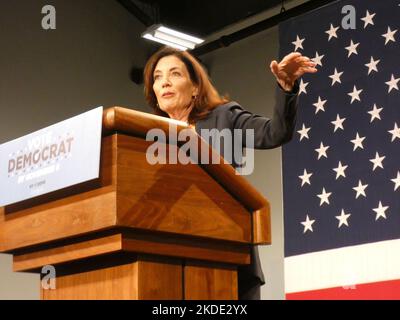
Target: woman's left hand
{"points": [[292, 67]]}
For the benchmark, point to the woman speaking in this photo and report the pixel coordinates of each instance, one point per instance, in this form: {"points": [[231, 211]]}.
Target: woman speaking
{"points": [[178, 87]]}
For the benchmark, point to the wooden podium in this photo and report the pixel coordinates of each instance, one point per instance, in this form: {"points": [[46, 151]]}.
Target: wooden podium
{"points": [[140, 231]]}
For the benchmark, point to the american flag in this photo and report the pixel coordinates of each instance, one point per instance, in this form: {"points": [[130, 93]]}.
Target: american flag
{"points": [[341, 171]]}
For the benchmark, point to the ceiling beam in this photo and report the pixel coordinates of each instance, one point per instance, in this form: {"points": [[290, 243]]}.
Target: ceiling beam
{"points": [[137, 12], [227, 40]]}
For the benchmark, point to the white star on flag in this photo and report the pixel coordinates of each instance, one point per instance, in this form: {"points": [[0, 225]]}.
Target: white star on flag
{"points": [[303, 86], [305, 178], [395, 132], [338, 123], [298, 43], [308, 224], [380, 211], [393, 83], [332, 32], [355, 95], [322, 151], [360, 189], [389, 36], [317, 59], [343, 218], [340, 170], [375, 113], [319, 105], [352, 48], [336, 77], [304, 132], [324, 196], [358, 142], [372, 65], [396, 181], [377, 161], [368, 19]]}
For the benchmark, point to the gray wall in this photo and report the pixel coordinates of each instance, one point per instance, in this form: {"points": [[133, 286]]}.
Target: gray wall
{"points": [[17, 286], [242, 71], [48, 76]]}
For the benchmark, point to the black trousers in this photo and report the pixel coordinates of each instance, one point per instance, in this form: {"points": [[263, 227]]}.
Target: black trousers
{"points": [[249, 286], [251, 293], [251, 278]]}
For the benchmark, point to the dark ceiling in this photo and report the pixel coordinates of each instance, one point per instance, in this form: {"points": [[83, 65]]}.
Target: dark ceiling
{"points": [[196, 17], [202, 18]]}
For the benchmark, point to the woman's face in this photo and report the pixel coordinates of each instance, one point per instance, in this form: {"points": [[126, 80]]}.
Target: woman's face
{"points": [[172, 85]]}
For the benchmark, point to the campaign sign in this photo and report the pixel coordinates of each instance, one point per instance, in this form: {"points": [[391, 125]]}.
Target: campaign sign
{"points": [[59, 156]]}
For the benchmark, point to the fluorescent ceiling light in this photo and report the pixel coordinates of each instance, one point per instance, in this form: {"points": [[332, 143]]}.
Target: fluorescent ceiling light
{"points": [[181, 35], [171, 37], [150, 37]]}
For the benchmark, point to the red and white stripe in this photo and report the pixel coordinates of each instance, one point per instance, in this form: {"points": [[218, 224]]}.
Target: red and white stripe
{"points": [[367, 271]]}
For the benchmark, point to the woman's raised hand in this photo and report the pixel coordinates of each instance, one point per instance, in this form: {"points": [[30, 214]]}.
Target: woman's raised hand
{"points": [[291, 67]]}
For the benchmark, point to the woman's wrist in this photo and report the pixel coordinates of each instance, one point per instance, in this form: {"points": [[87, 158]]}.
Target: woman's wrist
{"points": [[286, 85]]}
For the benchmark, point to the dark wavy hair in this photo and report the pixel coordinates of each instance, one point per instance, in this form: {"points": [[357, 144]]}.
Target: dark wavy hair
{"points": [[208, 97]]}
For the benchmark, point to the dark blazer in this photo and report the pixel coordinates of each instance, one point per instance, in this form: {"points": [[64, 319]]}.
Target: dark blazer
{"points": [[268, 133]]}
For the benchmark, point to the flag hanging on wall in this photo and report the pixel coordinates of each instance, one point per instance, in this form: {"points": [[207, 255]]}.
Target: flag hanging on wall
{"points": [[341, 171]]}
